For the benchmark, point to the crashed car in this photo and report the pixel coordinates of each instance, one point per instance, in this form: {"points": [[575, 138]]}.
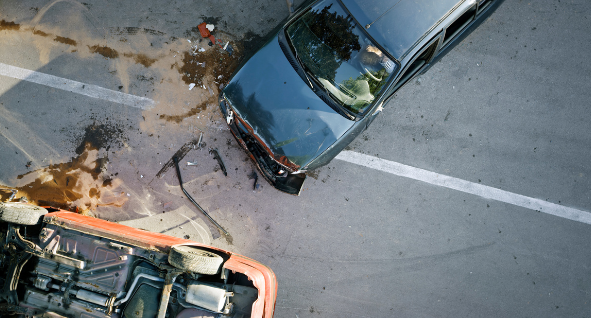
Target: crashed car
{"points": [[63, 264], [322, 78]]}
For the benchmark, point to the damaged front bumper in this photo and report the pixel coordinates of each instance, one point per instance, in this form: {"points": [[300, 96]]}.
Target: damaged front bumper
{"points": [[281, 176]]}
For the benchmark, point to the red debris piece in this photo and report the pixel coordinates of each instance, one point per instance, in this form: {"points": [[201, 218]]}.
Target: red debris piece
{"points": [[206, 34]]}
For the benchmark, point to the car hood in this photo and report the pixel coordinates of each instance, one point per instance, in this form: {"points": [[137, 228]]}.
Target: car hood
{"points": [[269, 95]]}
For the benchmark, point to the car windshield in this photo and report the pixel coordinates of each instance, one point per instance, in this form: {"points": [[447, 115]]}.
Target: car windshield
{"points": [[338, 54]]}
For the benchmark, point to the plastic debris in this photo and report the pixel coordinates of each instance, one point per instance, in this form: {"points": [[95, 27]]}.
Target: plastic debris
{"points": [[199, 143], [204, 31], [229, 49], [216, 156], [210, 27], [201, 49], [189, 163], [191, 86]]}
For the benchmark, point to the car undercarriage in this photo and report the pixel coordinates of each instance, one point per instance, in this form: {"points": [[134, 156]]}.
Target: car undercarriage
{"points": [[56, 267]]}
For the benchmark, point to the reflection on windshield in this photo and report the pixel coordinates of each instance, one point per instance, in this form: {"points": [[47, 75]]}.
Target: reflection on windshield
{"points": [[340, 56]]}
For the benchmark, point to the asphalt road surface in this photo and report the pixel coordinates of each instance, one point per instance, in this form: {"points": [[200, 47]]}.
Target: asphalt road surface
{"points": [[472, 198]]}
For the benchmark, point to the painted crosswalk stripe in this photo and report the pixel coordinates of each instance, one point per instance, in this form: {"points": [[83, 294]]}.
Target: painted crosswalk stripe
{"points": [[68, 85], [402, 170]]}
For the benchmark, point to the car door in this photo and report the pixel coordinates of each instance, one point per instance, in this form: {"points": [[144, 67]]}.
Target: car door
{"points": [[419, 62]]}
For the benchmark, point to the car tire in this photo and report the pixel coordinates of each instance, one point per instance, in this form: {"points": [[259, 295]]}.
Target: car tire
{"points": [[189, 258], [21, 213]]}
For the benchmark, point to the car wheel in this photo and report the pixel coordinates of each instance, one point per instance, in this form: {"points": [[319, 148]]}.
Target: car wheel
{"points": [[195, 260], [21, 213]]}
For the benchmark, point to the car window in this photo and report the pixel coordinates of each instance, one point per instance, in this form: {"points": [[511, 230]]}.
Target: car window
{"points": [[458, 25], [424, 56], [483, 4], [341, 58]]}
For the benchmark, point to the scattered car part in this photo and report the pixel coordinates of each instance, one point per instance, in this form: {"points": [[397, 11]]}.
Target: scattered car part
{"points": [[72, 265], [320, 80], [178, 174], [216, 156], [199, 142], [255, 184], [180, 154], [14, 192], [195, 260], [23, 214], [204, 31]]}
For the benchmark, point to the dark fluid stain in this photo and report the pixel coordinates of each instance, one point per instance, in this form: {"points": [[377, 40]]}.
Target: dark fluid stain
{"points": [[141, 59], [217, 61], [65, 40], [64, 189], [104, 51], [41, 33], [93, 193], [100, 136], [107, 182], [9, 26], [194, 111]]}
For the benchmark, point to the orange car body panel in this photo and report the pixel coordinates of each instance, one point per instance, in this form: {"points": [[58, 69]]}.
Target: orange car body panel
{"points": [[262, 276]]}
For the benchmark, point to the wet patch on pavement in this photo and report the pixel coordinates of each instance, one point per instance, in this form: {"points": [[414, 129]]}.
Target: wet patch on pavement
{"points": [[192, 112], [82, 184], [105, 51], [9, 26], [164, 67], [101, 136], [78, 185], [65, 40]]}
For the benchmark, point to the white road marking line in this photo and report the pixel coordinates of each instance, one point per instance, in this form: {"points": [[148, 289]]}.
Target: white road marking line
{"points": [[76, 87], [464, 186]]}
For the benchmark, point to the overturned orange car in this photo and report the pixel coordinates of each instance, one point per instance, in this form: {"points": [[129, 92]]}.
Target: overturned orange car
{"points": [[63, 264]]}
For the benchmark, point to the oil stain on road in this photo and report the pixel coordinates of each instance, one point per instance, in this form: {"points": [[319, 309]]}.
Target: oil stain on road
{"points": [[82, 184]]}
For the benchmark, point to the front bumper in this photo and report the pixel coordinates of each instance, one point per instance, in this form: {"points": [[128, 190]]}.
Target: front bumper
{"points": [[278, 175]]}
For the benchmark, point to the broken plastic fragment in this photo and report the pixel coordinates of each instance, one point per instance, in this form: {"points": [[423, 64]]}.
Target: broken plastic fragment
{"points": [[201, 49], [191, 86], [210, 27]]}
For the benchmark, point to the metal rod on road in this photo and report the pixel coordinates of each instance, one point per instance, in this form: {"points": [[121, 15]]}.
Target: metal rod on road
{"points": [[178, 174]]}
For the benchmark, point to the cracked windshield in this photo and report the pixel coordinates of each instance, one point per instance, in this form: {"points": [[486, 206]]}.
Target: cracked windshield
{"points": [[340, 56]]}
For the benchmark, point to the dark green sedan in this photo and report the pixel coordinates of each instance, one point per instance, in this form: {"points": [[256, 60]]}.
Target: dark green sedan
{"points": [[323, 77]]}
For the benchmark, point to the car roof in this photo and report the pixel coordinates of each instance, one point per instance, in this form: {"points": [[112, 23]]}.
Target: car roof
{"points": [[398, 24]]}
